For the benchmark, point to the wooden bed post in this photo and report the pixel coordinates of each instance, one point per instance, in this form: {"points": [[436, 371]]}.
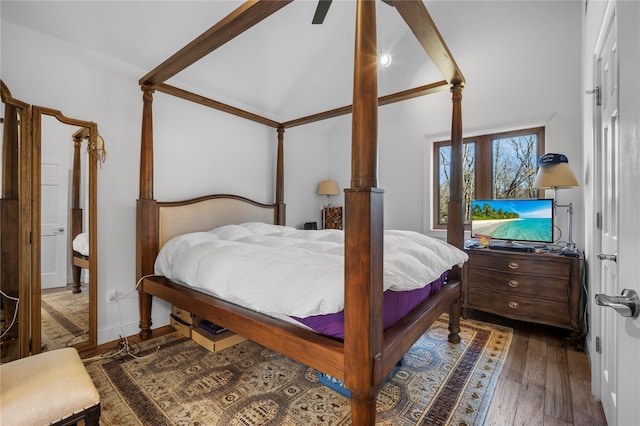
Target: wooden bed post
{"points": [[455, 226], [364, 231], [146, 146], [146, 220], [280, 205], [455, 234], [76, 211]]}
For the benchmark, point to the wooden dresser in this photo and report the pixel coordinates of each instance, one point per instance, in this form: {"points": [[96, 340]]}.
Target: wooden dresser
{"points": [[542, 288]]}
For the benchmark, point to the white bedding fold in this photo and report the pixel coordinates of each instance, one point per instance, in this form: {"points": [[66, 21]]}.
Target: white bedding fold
{"points": [[281, 270], [81, 243]]}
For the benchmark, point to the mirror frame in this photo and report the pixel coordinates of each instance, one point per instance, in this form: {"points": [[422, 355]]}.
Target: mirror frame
{"points": [[36, 305], [21, 260]]}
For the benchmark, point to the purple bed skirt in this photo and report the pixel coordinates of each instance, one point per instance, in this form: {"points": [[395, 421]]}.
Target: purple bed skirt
{"points": [[396, 305]]}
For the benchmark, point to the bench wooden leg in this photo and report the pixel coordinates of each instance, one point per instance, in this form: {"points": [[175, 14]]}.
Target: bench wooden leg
{"points": [[91, 417]]}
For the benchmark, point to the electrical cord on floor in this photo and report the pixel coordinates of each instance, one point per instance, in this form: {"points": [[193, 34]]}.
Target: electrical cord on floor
{"points": [[584, 302], [15, 313], [122, 350]]}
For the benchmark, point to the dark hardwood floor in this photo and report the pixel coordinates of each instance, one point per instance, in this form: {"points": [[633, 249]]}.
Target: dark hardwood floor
{"points": [[544, 381]]}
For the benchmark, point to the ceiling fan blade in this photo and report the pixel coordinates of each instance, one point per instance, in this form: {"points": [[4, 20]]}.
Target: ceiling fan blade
{"points": [[321, 11]]}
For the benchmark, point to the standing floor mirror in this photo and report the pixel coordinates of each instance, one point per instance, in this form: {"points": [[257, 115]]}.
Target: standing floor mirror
{"points": [[15, 227], [48, 229], [65, 152]]}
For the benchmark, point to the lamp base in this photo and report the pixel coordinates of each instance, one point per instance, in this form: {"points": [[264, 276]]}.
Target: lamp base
{"points": [[570, 250]]}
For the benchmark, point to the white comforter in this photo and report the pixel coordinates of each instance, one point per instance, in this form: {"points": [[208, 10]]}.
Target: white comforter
{"points": [[81, 243], [281, 270]]}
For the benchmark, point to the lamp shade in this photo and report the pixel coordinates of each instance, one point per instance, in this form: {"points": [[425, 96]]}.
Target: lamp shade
{"points": [[554, 172], [328, 187]]}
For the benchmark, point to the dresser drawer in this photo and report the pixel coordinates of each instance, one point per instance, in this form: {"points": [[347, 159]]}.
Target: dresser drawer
{"points": [[518, 284], [521, 264], [520, 307]]}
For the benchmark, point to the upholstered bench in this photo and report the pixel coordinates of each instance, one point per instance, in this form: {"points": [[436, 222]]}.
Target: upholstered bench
{"points": [[48, 388]]}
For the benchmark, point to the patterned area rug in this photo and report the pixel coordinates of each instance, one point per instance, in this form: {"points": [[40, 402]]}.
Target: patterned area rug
{"points": [[65, 318], [183, 384]]}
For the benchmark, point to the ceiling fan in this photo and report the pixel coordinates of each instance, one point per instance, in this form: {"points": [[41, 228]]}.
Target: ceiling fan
{"points": [[323, 7], [321, 11]]}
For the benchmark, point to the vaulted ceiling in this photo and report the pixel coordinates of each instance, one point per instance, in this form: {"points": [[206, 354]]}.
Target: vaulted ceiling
{"points": [[283, 68]]}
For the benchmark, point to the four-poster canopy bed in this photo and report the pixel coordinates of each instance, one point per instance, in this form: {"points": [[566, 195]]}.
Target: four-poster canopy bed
{"points": [[368, 353]]}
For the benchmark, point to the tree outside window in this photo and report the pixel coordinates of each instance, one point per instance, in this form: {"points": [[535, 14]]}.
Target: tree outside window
{"points": [[495, 166]]}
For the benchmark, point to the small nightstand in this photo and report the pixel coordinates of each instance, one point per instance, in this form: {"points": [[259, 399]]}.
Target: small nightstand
{"points": [[332, 218], [541, 288]]}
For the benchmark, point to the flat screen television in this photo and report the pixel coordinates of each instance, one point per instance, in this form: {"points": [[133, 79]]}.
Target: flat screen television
{"points": [[513, 221]]}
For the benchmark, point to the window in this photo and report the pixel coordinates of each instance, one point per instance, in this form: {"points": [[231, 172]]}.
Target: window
{"points": [[496, 166]]}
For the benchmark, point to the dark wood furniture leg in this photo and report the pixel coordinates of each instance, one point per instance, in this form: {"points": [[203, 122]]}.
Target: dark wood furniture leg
{"points": [[76, 272], [145, 315], [454, 322]]}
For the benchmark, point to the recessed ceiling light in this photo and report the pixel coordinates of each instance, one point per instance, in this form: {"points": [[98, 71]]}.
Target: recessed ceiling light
{"points": [[385, 59]]}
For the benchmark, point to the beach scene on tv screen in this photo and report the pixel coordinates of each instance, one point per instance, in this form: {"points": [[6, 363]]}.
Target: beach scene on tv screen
{"points": [[515, 220]]}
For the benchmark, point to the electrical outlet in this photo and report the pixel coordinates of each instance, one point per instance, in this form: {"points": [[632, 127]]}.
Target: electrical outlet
{"points": [[112, 296]]}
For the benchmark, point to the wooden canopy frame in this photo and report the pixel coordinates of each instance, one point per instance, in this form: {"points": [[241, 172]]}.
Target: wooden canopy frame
{"points": [[367, 354]]}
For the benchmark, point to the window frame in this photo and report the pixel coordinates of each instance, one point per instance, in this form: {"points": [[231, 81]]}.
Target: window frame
{"points": [[483, 179]]}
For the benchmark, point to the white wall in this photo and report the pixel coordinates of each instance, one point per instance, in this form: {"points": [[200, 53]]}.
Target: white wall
{"points": [[521, 61], [522, 65], [215, 153]]}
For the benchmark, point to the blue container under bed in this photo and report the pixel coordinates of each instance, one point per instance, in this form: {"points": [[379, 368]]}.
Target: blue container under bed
{"points": [[338, 385]]}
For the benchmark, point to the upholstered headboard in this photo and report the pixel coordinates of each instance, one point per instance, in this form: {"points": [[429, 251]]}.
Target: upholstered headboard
{"points": [[206, 213]]}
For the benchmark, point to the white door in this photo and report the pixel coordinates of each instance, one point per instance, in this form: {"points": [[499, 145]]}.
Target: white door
{"points": [[54, 225], [617, 162]]}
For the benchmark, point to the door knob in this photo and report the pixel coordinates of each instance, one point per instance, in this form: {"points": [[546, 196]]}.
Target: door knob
{"points": [[603, 256], [627, 304], [61, 230]]}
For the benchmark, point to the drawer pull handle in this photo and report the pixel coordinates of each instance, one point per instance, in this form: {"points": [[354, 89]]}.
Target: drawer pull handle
{"points": [[514, 283], [514, 265], [513, 305]]}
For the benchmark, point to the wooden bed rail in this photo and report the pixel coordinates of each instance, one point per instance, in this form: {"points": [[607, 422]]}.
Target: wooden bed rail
{"points": [[323, 353], [312, 349], [399, 338]]}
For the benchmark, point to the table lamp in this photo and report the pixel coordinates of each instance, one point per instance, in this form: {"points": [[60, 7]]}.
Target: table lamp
{"points": [[328, 187], [554, 172]]}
